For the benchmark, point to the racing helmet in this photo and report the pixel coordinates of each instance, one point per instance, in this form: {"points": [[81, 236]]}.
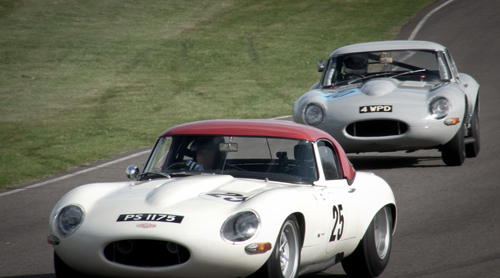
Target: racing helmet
{"points": [[356, 64]]}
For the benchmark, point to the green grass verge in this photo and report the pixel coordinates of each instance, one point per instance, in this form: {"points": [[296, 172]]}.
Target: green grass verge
{"points": [[85, 80]]}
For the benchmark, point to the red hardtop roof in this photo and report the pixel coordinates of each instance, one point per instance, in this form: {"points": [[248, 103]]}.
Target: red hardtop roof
{"points": [[261, 127], [268, 128]]}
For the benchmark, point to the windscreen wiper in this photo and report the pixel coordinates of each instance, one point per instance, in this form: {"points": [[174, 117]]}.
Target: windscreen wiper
{"points": [[385, 73], [184, 173], [408, 72], [154, 174]]}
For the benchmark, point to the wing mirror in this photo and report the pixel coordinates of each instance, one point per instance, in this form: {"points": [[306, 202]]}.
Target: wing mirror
{"points": [[321, 66], [132, 172]]}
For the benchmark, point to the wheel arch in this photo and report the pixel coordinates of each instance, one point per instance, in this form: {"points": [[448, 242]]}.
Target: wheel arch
{"points": [[293, 206], [302, 226], [472, 105], [471, 86], [368, 217], [394, 217]]}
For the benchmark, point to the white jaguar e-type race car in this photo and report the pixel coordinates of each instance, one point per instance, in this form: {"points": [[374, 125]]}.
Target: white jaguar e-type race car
{"points": [[229, 198], [392, 96]]}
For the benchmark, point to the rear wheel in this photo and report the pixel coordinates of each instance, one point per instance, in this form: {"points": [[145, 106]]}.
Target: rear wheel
{"points": [[472, 149], [453, 152], [372, 254], [284, 261]]}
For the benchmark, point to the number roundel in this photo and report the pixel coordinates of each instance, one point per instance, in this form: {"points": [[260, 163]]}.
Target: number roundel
{"points": [[338, 222]]}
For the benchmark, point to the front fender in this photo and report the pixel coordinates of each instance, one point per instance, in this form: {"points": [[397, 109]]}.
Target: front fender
{"points": [[86, 196], [275, 205]]}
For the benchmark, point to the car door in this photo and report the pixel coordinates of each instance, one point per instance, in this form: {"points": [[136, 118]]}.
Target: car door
{"points": [[344, 209]]}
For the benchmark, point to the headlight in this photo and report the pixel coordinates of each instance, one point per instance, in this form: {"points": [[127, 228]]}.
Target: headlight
{"points": [[68, 220], [439, 108], [314, 114], [240, 227]]}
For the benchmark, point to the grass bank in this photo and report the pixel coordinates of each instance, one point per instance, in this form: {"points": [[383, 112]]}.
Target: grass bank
{"points": [[85, 80]]}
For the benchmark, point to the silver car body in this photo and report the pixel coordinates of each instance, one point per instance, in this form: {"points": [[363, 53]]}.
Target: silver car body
{"points": [[390, 112]]}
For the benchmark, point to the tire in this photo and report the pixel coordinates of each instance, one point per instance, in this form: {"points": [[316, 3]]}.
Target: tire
{"points": [[472, 149], [285, 258], [453, 152], [371, 256], [62, 270]]}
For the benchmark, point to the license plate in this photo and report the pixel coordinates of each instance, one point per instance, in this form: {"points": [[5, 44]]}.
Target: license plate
{"points": [[150, 217], [375, 108]]}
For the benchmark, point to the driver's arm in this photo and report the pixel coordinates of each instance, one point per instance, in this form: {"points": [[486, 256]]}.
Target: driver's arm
{"points": [[191, 165]]}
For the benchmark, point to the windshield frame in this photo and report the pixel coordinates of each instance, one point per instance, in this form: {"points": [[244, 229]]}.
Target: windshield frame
{"points": [[393, 64], [180, 148]]}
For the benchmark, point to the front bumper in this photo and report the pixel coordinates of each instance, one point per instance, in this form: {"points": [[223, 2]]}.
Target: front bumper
{"points": [[414, 138], [189, 254]]}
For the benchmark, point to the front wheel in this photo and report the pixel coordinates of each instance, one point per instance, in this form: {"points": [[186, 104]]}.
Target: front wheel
{"points": [[62, 270], [284, 261], [371, 256], [453, 152]]}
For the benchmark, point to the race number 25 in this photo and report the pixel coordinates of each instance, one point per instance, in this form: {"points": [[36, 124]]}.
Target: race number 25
{"points": [[338, 223]]}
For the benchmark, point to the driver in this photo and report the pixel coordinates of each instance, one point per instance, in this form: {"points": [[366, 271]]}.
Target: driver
{"points": [[355, 65], [207, 153]]}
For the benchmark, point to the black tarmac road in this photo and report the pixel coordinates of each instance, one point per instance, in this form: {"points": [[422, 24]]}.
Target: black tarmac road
{"points": [[449, 217]]}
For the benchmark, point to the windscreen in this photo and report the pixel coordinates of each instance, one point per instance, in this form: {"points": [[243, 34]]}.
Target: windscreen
{"points": [[403, 65], [269, 158]]}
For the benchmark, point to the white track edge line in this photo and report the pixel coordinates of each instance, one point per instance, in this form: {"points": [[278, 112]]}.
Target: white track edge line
{"points": [[424, 19], [74, 174]]}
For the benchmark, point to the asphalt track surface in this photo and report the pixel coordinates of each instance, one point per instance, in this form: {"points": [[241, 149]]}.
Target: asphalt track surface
{"points": [[449, 217]]}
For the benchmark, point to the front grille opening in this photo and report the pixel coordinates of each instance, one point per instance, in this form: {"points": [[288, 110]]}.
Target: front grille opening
{"points": [[376, 128], [146, 253]]}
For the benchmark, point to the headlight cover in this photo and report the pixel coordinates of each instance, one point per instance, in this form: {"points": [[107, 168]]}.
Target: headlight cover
{"points": [[314, 114], [68, 220], [439, 108], [240, 227]]}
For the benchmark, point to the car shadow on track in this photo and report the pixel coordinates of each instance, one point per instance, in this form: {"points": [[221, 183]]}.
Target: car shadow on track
{"points": [[320, 275], [325, 275], [375, 162], [32, 276]]}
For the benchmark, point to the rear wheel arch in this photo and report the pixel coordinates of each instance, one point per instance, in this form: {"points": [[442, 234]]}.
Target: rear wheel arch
{"points": [[473, 147], [374, 210], [394, 216]]}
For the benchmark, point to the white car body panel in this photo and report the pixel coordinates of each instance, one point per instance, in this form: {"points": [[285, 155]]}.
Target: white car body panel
{"points": [[185, 196], [202, 203]]}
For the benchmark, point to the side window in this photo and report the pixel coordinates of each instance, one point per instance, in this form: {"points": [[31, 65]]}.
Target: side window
{"points": [[443, 68], [329, 73], [452, 63], [329, 160], [158, 158]]}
